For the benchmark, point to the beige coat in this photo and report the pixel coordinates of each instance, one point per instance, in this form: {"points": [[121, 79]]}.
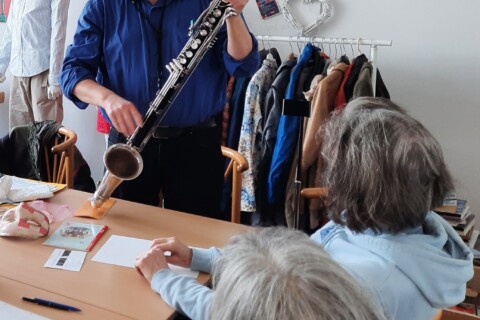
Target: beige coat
{"points": [[323, 103]]}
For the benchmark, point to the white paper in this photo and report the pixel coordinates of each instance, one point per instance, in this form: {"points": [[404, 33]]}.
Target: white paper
{"points": [[123, 251], [66, 260], [10, 312], [19, 183]]}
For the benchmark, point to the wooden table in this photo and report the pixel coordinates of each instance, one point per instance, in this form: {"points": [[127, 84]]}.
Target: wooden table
{"points": [[102, 291]]}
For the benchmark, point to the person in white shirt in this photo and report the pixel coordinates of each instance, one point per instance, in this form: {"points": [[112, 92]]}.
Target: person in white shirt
{"points": [[33, 45]]}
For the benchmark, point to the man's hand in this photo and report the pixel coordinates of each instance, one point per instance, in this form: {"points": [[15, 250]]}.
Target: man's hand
{"points": [[151, 262], [239, 44], [2, 78], [238, 5], [123, 114], [54, 92], [180, 254]]}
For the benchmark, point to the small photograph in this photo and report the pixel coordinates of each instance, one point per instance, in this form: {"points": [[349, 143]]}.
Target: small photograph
{"points": [[76, 232], [268, 8]]}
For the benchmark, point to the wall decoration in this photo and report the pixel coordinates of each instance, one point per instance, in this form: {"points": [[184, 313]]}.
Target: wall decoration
{"points": [[325, 13], [4, 10], [268, 8]]}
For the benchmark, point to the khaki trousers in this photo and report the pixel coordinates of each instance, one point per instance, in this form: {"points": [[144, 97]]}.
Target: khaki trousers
{"points": [[29, 101]]}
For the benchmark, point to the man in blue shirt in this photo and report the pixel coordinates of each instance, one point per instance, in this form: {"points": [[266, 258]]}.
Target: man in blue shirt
{"points": [[117, 62]]}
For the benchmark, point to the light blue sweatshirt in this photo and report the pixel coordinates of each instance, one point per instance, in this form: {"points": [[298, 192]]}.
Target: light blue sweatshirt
{"points": [[183, 293], [411, 274]]}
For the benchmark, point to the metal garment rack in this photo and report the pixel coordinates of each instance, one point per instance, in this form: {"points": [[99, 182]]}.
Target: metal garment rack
{"points": [[373, 44]]}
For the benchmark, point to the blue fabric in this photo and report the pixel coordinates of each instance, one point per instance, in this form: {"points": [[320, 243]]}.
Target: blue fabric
{"points": [[117, 46], [237, 107], [183, 293], [287, 133], [411, 274]]}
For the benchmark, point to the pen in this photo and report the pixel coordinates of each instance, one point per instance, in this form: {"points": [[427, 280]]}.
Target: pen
{"points": [[50, 304], [97, 237]]}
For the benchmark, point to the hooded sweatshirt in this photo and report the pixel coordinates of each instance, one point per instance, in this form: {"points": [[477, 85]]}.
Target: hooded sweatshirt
{"points": [[411, 274]]}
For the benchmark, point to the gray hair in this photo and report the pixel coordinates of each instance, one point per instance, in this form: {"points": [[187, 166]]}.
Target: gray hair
{"points": [[278, 274], [382, 168]]}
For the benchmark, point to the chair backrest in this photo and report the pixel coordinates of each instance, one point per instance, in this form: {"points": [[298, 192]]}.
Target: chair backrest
{"points": [[237, 165], [59, 157], [313, 193]]}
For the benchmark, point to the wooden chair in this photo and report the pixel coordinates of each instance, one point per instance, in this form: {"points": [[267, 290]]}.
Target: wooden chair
{"points": [[313, 193], [59, 157], [237, 165]]}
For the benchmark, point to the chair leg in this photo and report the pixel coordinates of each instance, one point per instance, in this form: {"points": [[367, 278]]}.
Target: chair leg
{"points": [[61, 169], [47, 164], [236, 185], [55, 169]]}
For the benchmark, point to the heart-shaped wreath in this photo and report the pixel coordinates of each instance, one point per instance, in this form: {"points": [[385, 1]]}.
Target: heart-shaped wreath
{"points": [[325, 13]]}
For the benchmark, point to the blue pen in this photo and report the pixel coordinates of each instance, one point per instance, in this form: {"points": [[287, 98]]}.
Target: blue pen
{"points": [[50, 304]]}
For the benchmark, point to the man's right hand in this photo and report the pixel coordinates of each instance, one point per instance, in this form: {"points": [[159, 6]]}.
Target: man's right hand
{"points": [[123, 114], [180, 254], [2, 78]]}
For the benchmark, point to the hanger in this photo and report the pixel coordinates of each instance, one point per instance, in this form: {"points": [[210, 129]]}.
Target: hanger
{"points": [[336, 52], [351, 47], [263, 44], [358, 46], [298, 46], [344, 50], [269, 54], [344, 58], [321, 46], [292, 54]]}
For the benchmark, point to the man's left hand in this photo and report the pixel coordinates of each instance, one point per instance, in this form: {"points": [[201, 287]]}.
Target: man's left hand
{"points": [[238, 5]]}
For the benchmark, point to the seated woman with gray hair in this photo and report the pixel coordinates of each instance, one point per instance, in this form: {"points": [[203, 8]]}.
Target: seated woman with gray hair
{"points": [[268, 274], [384, 173]]}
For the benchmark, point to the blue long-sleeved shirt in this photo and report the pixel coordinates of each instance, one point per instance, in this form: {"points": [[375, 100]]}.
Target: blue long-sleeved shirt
{"points": [[116, 45]]}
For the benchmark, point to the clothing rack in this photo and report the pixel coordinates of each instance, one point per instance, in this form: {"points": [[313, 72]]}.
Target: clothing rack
{"points": [[374, 44]]}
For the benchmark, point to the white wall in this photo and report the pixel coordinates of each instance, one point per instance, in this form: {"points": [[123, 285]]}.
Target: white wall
{"points": [[432, 69]]}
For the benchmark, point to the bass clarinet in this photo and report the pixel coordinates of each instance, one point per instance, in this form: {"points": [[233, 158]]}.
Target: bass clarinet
{"points": [[123, 160]]}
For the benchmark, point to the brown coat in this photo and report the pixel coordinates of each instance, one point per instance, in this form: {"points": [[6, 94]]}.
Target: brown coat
{"points": [[323, 103]]}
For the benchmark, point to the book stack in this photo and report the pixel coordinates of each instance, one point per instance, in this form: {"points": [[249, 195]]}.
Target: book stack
{"points": [[458, 214]]}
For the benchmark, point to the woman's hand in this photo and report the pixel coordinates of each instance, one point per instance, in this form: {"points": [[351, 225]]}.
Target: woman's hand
{"points": [[180, 254], [151, 262]]}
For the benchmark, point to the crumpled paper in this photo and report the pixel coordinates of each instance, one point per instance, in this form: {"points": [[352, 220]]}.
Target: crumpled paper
{"points": [[34, 192]]}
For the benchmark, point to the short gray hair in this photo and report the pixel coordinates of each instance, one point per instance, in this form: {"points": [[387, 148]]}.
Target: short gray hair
{"points": [[382, 168], [278, 274]]}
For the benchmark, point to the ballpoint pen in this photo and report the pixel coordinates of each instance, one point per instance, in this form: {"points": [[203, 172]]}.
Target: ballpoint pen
{"points": [[50, 304]]}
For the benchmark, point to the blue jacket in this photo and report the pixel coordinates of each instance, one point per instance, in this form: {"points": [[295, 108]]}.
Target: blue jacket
{"points": [[411, 274], [287, 135], [118, 47]]}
